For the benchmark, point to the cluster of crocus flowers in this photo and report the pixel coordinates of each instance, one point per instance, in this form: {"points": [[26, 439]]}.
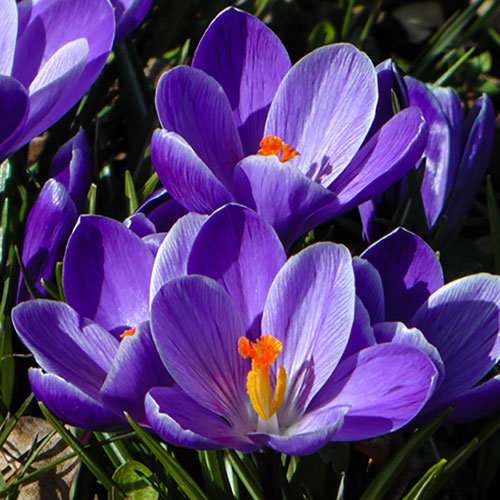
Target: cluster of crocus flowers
{"points": [[190, 315], [244, 125], [51, 51], [456, 156]]}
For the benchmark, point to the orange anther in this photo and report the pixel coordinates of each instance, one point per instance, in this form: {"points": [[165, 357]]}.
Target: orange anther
{"points": [[272, 145], [127, 333], [264, 352]]}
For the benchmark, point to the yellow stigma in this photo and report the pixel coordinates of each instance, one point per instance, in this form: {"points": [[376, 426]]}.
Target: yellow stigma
{"points": [[272, 145], [263, 353]]}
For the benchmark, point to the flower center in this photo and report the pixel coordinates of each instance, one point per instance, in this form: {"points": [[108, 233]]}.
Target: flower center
{"points": [[272, 145], [263, 353], [127, 333]]}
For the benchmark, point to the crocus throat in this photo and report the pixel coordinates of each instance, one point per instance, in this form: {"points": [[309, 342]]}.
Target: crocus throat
{"points": [[127, 333], [263, 353], [272, 145]]}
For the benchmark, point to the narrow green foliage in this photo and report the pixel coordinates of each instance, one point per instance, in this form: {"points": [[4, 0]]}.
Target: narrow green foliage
{"points": [[494, 218], [117, 451], [444, 38], [369, 23], [9, 423], [383, 481], [172, 467], [214, 474], [481, 21], [130, 193], [29, 286], [52, 289], [183, 53], [346, 25], [426, 482], [246, 472], [79, 449], [460, 62], [92, 199], [260, 6], [464, 453], [149, 187]]}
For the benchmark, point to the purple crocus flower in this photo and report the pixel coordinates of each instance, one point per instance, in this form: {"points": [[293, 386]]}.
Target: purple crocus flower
{"points": [[399, 282], [255, 344], [51, 51], [456, 158], [54, 213], [291, 143], [95, 353], [129, 14]]}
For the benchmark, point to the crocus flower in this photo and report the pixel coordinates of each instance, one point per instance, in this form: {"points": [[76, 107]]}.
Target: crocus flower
{"points": [[51, 51], [456, 158], [95, 353], [54, 213], [254, 344], [129, 14], [399, 282], [289, 142]]}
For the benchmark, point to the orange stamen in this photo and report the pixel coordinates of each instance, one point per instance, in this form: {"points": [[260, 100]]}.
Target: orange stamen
{"points": [[272, 145], [127, 333]]}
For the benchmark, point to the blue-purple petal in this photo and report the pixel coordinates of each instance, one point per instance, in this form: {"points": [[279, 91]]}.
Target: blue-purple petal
{"points": [[182, 421], [135, 369], [310, 309], [384, 386], [292, 203], [196, 329], [324, 108], [249, 61], [49, 224], [72, 405], [72, 167], [409, 269], [106, 273], [184, 174], [242, 252], [193, 105], [462, 319]]}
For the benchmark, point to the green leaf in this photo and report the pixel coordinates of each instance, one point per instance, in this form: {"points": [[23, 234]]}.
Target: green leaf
{"points": [[173, 468], [247, 474], [346, 26], [444, 38], [322, 34], [130, 193], [389, 474], [447, 74], [149, 186], [9, 423], [369, 23], [426, 482], [52, 289], [134, 480], [214, 474], [5, 173], [80, 450], [92, 199]]}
